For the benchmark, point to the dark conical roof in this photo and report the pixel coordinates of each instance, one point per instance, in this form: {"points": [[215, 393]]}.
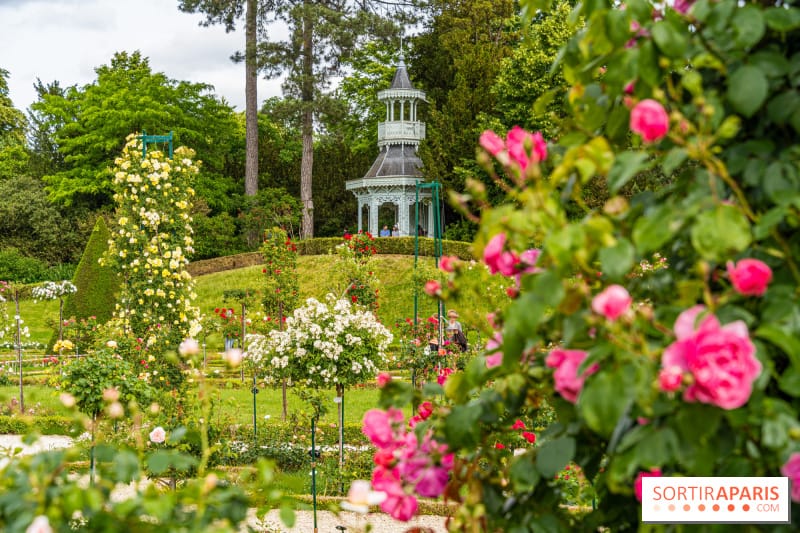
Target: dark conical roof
{"points": [[396, 160], [401, 80]]}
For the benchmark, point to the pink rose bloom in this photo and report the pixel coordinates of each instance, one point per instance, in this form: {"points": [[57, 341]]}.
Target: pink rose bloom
{"points": [[379, 426], [525, 147], [495, 357], [792, 470], [40, 524], [721, 359], [670, 378], [443, 373], [432, 287], [425, 409], [492, 143], [158, 435], [750, 277], [612, 303], [448, 263], [383, 379], [650, 120], [637, 485], [566, 362], [682, 6]]}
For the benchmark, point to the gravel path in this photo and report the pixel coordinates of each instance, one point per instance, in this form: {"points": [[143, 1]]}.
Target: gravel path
{"points": [[8, 443], [327, 522]]}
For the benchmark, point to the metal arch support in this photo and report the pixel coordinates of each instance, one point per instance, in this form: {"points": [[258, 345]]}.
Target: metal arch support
{"points": [[435, 187], [150, 139]]}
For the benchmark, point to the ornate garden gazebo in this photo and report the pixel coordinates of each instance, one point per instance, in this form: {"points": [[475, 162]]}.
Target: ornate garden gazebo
{"points": [[394, 175]]}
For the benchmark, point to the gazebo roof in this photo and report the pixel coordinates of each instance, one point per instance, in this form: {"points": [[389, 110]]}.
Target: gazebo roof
{"points": [[401, 79], [396, 160]]}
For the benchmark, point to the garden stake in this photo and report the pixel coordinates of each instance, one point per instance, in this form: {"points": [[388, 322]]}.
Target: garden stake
{"points": [[314, 472], [19, 352], [255, 391]]}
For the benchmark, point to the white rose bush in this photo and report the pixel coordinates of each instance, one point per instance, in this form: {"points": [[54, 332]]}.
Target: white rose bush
{"points": [[324, 344]]}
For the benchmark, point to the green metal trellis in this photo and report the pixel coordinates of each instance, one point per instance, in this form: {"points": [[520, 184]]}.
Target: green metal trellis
{"points": [[435, 187], [150, 139]]}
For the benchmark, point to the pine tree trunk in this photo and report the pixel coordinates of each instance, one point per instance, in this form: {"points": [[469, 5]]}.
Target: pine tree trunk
{"points": [[307, 162], [251, 102]]}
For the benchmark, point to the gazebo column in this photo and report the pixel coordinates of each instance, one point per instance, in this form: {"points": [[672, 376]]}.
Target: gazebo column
{"points": [[403, 205], [360, 209], [373, 216]]}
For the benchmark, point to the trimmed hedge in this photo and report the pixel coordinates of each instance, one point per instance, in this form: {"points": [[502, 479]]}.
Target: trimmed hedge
{"points": [[44, 425], [96, 284], [324, 245]]}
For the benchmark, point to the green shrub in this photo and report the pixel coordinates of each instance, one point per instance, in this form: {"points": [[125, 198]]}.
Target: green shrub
{"points": [[20, 268], [96, 284], [46, 425]]}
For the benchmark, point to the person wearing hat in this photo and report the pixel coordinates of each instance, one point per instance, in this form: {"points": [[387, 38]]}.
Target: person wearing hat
{"points": [[454, 331]]}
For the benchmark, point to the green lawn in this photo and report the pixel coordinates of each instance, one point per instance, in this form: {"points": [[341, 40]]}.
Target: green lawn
{"points": [[232, 405]]}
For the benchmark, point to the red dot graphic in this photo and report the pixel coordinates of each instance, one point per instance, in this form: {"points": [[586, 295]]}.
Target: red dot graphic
{"points": [[686, 507], [671, 507], [745, 507], [731, 507], [716, 507]]}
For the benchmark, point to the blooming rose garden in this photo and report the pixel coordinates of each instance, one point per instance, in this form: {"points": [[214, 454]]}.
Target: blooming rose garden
{"points": [[654, 335]]}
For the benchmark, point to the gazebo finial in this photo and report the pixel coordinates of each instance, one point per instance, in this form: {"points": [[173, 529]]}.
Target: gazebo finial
{"points": [[402, 61]]}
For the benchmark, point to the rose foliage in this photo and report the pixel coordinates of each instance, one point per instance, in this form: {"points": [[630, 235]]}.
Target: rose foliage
{"points": [[690, 370]]}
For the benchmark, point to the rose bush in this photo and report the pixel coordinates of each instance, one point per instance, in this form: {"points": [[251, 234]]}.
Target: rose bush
{"points": [[702, 98]]}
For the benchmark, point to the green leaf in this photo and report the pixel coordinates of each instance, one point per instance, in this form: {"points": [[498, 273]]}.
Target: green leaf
{"points": [[747, 90], [669, 40], [790, 345], [605, 398], [673, 160], [287, 516], [720, 233], [655, 228], [617, 260], [523, 476], [554, 455], [159, 462], [125, 466], [461, 425], [790, 382], [782, 20], [626, 165], [748, 26]]}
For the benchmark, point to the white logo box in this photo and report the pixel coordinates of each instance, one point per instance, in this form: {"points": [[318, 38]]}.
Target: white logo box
{"points": [[716, 500]]}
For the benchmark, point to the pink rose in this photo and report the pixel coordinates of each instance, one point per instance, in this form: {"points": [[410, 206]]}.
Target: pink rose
{"points": [[637, 485], [499, 260], [379, 426], [448, 263], [432, 288], [40, 524], [721, 359], [750, 277], [158, 435], [383, 379], [792, 470], [525, 147], [425, 409], [682, 6], [443, 373], [670, 378], [492, 143], [613, 302], [650, 120], [566, 362], [495, 354]]}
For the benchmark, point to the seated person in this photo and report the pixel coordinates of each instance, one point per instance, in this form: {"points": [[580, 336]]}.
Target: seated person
{"points": [[385, 232], [395, 231]]}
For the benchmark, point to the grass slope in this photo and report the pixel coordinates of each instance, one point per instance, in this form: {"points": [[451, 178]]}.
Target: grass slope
{"points": [[317, 274]]}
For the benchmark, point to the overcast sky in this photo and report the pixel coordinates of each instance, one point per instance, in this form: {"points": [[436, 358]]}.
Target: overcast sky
{"points": [[66, 40]]}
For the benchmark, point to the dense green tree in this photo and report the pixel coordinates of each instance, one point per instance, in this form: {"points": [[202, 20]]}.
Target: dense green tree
{"points": [[45, 158], [227, 12], [13, 157], [456, 60], [127, 96], [527, 75], [32, 224]]}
